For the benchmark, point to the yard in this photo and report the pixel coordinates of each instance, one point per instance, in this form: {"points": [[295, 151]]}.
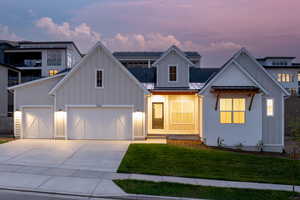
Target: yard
{"points": [[192, 191], [5, 140], [169, 160]]}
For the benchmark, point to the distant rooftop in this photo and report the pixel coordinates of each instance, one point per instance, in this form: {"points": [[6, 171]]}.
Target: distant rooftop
{"points": [[149, 54], [275, 57]]}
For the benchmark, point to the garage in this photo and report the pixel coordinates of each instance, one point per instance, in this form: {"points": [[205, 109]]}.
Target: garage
{"points": [[37, 122], [99, 123]]}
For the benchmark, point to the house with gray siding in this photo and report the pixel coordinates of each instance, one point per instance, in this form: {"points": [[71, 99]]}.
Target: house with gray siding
{"points": [[9, 76], [239, 105], [39, 59]]}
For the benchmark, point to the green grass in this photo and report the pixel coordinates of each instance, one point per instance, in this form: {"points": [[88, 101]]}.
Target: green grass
{"points": [[169, 160], [2, 141], [192, 191]]}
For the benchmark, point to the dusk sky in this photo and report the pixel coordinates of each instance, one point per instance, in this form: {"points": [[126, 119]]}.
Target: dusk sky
{"points": [[214, 28]]}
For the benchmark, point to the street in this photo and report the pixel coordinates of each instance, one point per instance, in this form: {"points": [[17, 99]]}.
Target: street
{"points": [[15, 195]]}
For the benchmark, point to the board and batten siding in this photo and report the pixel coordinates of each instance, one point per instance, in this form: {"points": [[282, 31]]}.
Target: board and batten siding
{"points": [[33, 95], [118, 88], [250, 133], [3, 91], [182, 66], [273, 127]]}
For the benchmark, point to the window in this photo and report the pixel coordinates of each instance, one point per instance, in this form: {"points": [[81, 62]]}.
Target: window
{"points": [[182, 112], [99, 78], [172, 73], [232, 110], [270, 107], [299, 76], [54, 58], [52, 72], [284, 77]]}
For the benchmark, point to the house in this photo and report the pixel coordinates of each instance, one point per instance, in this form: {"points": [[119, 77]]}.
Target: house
{"points": [[239, 105], [285, 71], [10, 76], [39, 59]]}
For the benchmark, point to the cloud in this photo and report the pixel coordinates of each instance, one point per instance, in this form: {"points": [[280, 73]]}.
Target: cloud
{"points": [[6, 34], [82, 34], [85, 37]]}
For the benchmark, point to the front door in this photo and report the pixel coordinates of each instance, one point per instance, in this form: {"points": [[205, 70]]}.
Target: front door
{"points": [[157, 115]]}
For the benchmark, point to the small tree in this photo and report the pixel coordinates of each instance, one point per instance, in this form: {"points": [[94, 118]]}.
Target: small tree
{"points": [[294, 125]]}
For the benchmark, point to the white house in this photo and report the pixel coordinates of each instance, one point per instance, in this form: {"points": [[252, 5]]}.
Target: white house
{"points": [[241, 105]]}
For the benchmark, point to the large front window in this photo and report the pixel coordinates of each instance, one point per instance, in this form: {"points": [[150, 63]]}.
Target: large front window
{"points": [[232, 110], [182, 112], [284, 77]]}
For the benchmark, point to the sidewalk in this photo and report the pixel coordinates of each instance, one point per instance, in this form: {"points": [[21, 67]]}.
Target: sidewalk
{"points": [[98, 183]]}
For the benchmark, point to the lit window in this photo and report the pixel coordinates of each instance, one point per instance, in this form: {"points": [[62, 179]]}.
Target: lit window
{"points": [[270, 107], [298, 76], [232, 111], [99, 78], [172, 73], [284, 77], [52, 72], [182, 112], [54, 58]]}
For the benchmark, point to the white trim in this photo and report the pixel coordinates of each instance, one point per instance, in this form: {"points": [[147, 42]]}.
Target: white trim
{"points": [[35, 106], [178, 51], [176, 67], [273, 106], [35, 81], [224, 69], [251, 77], [244, 50], [78, 65], [102, 81], [283, 117], [95, 106]]}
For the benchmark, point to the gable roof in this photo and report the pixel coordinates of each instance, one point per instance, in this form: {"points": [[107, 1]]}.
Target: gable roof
{"points": [[36, 81], [228, 64], [78, 65], [178, 51], [152, 55], [232, 60]]}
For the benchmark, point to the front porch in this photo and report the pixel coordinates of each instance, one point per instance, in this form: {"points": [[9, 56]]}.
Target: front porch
{"points": [[172, 114]]}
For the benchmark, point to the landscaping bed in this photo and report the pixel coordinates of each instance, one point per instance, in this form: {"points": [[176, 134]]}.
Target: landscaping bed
{"points": [[170, 160], [203, 192]]}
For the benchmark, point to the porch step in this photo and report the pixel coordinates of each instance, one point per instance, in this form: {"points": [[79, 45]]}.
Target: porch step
{"points": [[184, 140], [156, 136]]}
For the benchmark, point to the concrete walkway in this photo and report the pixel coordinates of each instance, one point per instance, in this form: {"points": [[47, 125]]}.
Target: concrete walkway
{"points": [[98, 183]]}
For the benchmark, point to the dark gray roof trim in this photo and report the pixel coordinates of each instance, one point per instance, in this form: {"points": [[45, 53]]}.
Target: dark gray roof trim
{"points": [[197, 75], [150, 55], [10, 67]]}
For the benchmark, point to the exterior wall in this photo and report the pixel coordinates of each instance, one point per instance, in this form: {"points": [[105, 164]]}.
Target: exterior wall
{"points": [[35, 94], [3, 91], [170, 128], [293, 72], [248, 134], [272, 127], [75, 55], [182, 71], [118, 88]]}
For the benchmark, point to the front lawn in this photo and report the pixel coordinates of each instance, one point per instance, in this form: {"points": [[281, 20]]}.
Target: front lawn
{"points": [[2, 141], [169, 160], [192, 191]]}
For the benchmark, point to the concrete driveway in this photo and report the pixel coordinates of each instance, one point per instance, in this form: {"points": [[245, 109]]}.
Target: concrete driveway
{"points": [[67, 154]]}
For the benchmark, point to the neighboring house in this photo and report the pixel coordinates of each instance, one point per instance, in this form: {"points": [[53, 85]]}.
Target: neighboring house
{"points": [[285, 71], [9, 76], [240, 105], [39, 59]]}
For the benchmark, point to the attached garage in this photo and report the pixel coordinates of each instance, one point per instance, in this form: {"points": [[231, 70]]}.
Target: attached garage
{"points": [[108, 123], [37, 122]]}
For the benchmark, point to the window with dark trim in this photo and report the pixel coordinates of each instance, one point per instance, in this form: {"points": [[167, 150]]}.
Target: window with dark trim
{"points": [[99, 78], [172, 73]]}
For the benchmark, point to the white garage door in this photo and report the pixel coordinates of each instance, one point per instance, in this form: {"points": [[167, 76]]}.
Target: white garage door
{"points": [[100, 123], [38, 123]]}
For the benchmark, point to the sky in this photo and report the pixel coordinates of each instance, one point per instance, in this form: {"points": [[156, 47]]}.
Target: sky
{"points": [[214, 28]]}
